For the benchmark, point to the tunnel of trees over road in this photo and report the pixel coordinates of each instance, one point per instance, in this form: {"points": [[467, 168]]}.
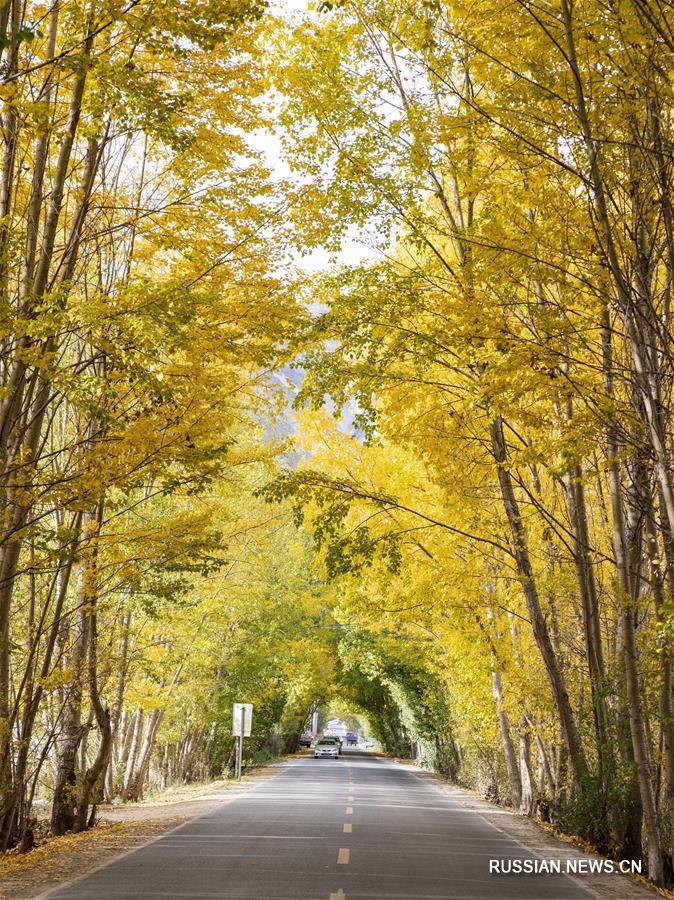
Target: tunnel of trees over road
{"points": [[336, 361]]}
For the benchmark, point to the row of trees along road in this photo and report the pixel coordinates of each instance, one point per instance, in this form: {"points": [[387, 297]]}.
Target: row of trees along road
{"points": [[507, 348], [137, 277]]}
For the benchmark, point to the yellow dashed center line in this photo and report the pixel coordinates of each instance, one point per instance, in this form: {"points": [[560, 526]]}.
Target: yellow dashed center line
{"points": [[349, 810], [348, 828], [343, 856], [340, 895]]}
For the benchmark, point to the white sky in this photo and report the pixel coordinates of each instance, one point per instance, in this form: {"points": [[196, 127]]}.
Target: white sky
{"points": [[353, 250]]}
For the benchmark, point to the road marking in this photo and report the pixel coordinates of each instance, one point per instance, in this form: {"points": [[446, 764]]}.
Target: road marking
{"points": [[348, 828], [349, 810], [350, 798], [343, 856], [340, 895]]}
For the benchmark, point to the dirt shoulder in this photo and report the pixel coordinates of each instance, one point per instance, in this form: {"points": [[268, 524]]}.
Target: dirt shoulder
{"points": [[120, 829], [542, 842]]}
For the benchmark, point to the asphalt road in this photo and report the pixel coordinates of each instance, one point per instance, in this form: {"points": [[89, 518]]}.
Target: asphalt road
{"points": [[361, 827]]}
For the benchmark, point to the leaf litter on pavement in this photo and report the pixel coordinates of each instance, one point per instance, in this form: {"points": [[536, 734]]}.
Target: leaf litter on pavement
{"points": [[23, 875]]}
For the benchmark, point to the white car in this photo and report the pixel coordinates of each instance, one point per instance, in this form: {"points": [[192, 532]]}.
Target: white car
{"points": [[329, 735], [327, 748]]}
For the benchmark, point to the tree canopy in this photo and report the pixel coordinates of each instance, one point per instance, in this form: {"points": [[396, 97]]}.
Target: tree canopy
{"points": [[430, 480]]}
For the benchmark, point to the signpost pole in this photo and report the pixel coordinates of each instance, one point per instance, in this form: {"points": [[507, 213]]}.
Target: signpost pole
{"points": [[242, 722]]}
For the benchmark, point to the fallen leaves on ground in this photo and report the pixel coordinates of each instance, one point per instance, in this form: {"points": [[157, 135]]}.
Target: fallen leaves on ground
{"points": [[72, 855]]}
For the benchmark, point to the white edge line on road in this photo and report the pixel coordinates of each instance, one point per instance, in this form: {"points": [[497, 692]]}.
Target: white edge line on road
{"points": [[70, 882], [576, 881]]}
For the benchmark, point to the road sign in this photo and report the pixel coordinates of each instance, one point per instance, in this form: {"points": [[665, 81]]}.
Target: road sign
{"points": [[242, 719]]}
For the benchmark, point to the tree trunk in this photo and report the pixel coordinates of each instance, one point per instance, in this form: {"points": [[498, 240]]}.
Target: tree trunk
{"points": [[92, 775], [65, 789], [136, 732], [637, 506], [507, 745], [527, 802], [575, 492], [136, 788], [538, 623], [667, 655]]}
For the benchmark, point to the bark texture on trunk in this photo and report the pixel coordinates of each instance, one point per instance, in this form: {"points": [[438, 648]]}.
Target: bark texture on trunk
{"points": [[536, 615], [507, 745]]}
